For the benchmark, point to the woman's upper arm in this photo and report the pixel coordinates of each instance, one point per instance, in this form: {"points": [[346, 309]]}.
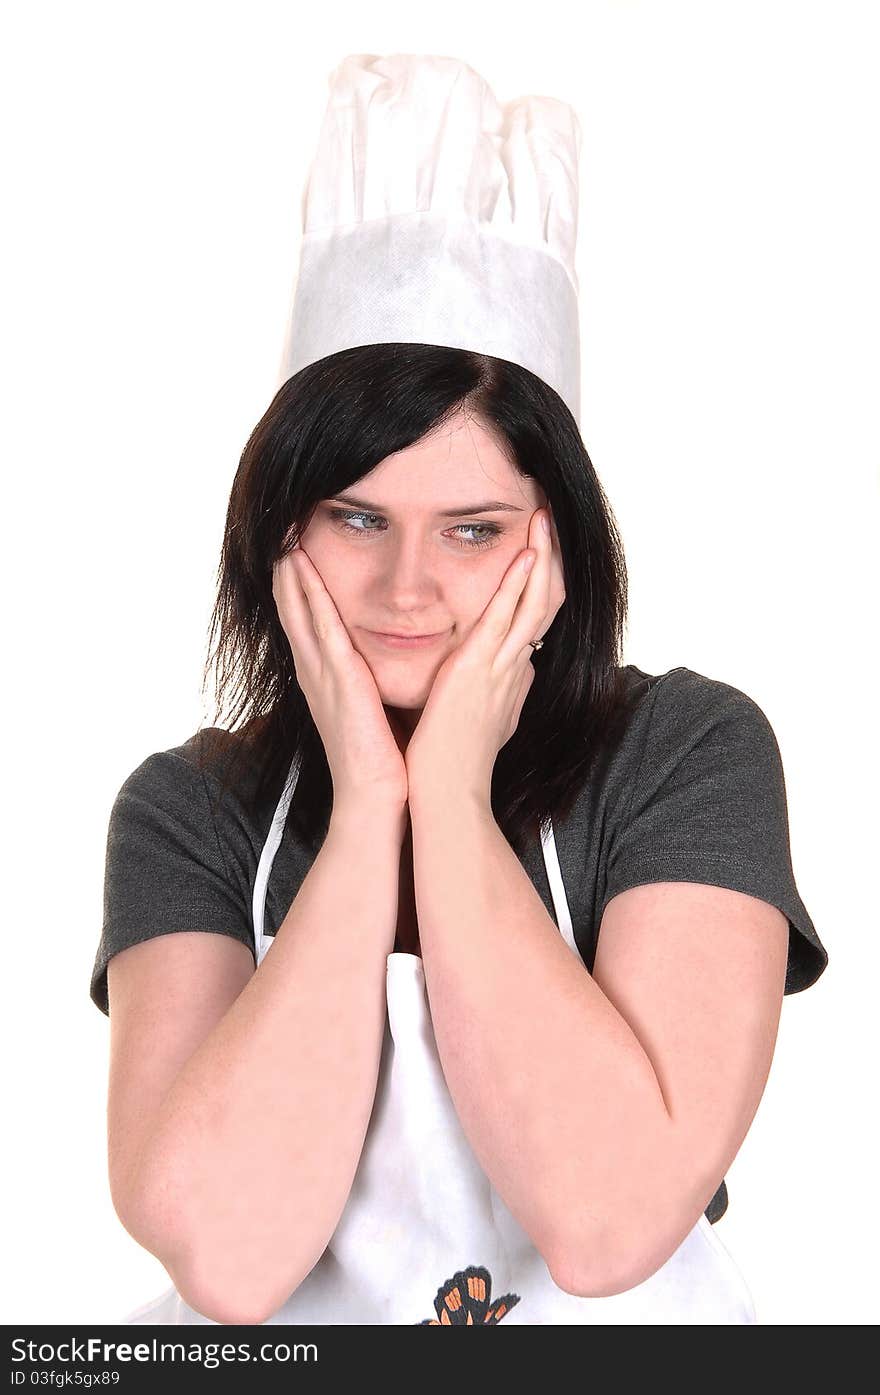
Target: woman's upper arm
{"points": [[166, 995]]}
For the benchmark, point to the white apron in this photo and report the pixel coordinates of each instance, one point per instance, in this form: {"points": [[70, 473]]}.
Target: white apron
{"points": [[424, 1237]]}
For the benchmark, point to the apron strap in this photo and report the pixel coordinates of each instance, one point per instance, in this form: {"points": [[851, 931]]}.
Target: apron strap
{"points": [[267, 857], [557, 886]]}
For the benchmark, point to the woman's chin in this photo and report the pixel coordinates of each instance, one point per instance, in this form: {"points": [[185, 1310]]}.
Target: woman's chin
{"points": [[406, 685], [403, 698]]}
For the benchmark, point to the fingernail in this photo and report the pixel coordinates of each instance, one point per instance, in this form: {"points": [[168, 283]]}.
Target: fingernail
{"points": [[545, 522]]}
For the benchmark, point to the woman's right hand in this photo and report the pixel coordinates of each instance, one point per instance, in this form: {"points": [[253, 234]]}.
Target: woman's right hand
{"points": [[365, 760]]}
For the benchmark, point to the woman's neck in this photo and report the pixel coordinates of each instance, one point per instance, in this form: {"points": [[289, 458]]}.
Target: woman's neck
{"points": [[403, 722]]}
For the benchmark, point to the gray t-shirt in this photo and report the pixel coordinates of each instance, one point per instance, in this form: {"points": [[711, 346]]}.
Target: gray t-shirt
{"points": [[694, 791]]}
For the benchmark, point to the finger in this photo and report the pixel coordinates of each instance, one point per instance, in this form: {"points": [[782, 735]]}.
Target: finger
{"points": [[331, 632], [557, 577], [494, 624], [531, 617], [293, 610], [557, 587]]}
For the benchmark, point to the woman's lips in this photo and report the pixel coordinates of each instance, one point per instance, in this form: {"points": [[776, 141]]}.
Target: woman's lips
{"points": [[407, 641]]}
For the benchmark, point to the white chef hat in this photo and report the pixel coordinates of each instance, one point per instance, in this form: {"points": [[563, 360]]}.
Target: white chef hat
{"points": [[433, 214]]}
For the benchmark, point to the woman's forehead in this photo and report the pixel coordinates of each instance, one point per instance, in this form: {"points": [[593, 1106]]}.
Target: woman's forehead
{"points": [[460, 468]]}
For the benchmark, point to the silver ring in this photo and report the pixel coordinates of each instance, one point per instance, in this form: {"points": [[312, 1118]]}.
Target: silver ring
{"points": [[536, 643]]}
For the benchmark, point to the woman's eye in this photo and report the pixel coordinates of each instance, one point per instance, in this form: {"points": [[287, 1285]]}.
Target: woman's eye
{"points": [[342, 520]]}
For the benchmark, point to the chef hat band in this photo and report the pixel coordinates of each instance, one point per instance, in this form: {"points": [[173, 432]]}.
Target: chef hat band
{"points": [[433, 214]]}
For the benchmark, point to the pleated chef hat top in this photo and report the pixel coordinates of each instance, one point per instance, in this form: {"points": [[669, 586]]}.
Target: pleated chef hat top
{"points": [[433, 214]]}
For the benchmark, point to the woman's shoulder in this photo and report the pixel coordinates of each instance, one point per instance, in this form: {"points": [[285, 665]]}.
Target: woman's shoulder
{"points": [[681, 686], [211, 758], [208, 750], [663, 711], [682, 695]]}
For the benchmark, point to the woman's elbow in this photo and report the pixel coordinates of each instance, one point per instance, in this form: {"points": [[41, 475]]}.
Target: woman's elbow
{"points": [[224, 1296], [604, 1268]]}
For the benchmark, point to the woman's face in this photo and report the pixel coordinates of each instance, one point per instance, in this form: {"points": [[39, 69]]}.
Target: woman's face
{"points": [[422, 553]]}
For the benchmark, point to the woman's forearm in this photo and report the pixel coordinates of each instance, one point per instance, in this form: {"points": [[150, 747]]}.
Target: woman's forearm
{"points": [[249, 1165], [555, 1093]]}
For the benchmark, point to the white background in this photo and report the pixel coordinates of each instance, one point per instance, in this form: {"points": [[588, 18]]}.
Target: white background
{"points": [[153, 162]]}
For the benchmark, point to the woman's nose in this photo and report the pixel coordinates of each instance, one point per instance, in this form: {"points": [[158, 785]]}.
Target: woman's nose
{"points": [[410, 568]]}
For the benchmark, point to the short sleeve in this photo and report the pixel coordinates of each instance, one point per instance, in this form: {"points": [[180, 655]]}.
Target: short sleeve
{"points": [[708, 804], [164, 868]]}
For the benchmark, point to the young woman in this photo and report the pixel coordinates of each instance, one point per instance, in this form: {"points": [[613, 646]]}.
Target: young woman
{"points": [[532, 912]]}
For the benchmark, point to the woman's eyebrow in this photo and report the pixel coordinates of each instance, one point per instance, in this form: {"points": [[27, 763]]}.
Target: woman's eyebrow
{"points": [[493, 506]]}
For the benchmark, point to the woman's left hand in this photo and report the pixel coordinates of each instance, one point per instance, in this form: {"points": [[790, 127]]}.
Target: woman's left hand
{"points": [[474, 705]]}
